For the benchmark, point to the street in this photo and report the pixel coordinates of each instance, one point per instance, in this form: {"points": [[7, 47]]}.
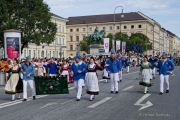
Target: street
{"points": [[130, 104]]}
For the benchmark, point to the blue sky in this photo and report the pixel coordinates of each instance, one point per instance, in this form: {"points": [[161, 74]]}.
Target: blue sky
{"points": [[166, 12]]}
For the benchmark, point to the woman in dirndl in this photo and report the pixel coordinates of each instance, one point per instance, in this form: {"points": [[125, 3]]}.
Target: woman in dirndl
{"points": [[91, 79], [146, 72], [14, 84]]}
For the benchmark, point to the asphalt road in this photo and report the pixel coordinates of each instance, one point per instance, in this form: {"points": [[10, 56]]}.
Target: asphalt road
{"points": [[129, 104]]}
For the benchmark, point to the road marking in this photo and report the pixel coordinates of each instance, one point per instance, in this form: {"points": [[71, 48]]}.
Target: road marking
{"points": [[127, 88], [71, 88], [100, 102], [67, 101], [48, 104], [146, 105], [7, 104]]}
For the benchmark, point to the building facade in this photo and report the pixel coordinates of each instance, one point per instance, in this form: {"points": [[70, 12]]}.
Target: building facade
{"points": [[127, 23], [57, 49]]}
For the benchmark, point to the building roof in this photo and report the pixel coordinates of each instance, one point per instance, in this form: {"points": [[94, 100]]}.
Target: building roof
{"points": [[58, 16], [105, 18]]}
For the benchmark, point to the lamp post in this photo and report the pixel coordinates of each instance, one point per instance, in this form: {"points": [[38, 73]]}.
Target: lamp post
{"points": [[122, 8]]}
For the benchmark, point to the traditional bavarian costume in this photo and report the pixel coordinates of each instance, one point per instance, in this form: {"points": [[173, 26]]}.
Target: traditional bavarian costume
{"points": [[146, 72], [65, 71], [92, 80]]}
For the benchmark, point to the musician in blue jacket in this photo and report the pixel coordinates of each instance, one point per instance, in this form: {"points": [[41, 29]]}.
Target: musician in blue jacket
{"points": [[165, 68], [119, 56], [78, 71], [113, 67]]}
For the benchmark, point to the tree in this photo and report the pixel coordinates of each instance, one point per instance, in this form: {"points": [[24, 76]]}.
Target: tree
{"points": [[84, 45], [139, 43], [32, 18]]}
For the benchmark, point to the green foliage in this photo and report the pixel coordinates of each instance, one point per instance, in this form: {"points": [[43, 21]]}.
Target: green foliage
{"points": [[140, 39], [85, 45], [31, 17], [135, 39]]}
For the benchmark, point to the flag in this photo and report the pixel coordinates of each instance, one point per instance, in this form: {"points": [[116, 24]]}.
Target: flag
{"points": [[106, 45], [118, 44], [123, 46]]}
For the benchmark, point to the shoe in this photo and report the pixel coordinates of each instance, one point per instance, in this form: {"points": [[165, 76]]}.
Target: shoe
{"points": [[160, 93], [167, 91], [120, 80], [112, 92], [90, 99], [77, 99], [34, 97], [116, 92], [24, 100]]}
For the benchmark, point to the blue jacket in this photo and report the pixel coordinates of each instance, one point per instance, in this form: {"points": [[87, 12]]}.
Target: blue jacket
{"points": [[121, 65], [28, 71], [114, 66], [52, 68], [81, 67], [128, 62], [165, 67]]}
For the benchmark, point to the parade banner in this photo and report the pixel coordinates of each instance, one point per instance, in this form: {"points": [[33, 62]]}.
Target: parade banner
{"points": [[51, 85], [113, 44], [118, 44], [123, 46], [106, 45]]}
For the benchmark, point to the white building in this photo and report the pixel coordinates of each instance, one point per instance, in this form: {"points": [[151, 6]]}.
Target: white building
{"points": [[57, 49]]}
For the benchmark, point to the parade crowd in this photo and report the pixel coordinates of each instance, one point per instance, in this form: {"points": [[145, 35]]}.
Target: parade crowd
{"points": [[82, 71]]}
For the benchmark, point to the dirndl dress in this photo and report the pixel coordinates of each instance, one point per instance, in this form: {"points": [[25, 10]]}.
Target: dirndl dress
{"points": [[91, 80]]}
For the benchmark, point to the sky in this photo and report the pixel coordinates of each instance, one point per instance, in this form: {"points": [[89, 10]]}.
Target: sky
{"points": [[165, 12]]}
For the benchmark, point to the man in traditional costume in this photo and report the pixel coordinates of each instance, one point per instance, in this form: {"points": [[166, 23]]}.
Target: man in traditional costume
{"points": [[27, 70], [78, 71], [113, 67], [165, 68]]}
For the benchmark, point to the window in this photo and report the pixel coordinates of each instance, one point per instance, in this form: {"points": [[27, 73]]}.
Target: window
{"points": [[42, 53], [139, 26], [110, 28], [53, 53], [59, 42], [71, 47], [84, 29], [77, 38], [125, 27], [50, 54], [30, 52], [62, 29], [104, 28], [77, 30], [38, 53], [63, 41], [117, 27], [34, 51], [24, 53], [84, 37], [132, 26], [46, 53], [71, 30], [90, 29], [71, 38]]}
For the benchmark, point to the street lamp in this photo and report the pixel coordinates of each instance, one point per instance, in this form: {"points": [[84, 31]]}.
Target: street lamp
{"points": [[122, 8]]}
